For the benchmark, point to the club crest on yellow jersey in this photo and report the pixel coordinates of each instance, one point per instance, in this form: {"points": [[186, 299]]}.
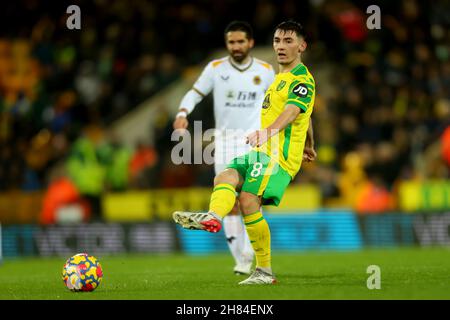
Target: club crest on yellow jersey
{"points": [[281, 85]]}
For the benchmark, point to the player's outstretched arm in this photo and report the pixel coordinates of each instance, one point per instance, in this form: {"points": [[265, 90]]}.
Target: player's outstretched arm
{"points": [[201, 88], [259, 137], [187, 105]]}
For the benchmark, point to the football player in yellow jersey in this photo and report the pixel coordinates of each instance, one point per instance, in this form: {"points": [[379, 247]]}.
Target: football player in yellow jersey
{"points": [[284, 140]]}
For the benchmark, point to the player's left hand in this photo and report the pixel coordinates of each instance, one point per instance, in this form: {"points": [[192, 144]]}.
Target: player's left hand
{"points": [[257, 138], [309, 154]]}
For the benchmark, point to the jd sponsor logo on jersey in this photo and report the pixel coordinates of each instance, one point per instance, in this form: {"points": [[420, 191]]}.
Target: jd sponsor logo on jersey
{"points": [[257, 80], [266, 102], [281, 85], [300, 90]]}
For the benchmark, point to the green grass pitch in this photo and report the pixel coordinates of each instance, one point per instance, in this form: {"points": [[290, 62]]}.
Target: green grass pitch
{"points": [[409, 273]]}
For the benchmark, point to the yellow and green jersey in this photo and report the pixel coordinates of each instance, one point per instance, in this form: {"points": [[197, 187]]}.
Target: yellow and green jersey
{"points": [[297, 88]]}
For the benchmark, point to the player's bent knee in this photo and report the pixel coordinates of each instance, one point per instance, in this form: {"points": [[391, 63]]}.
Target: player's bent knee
{"points": [[228, 176]]}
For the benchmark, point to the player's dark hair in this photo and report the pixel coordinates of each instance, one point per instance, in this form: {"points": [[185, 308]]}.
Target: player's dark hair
{"points": [[240, 26], [292, 25]]}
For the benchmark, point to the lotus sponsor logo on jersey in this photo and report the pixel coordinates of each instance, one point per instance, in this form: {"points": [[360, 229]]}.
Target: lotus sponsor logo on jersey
{"points": [[266, 102], [281, 85], [257, 80], [300, 90]]}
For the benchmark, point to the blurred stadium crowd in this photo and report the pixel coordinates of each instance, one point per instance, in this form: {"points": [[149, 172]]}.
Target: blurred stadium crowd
{"points": [[387, 118]]}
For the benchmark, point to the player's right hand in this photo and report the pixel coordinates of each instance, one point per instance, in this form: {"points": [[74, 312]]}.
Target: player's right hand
{"points": [[180, 123], [309, 154]]}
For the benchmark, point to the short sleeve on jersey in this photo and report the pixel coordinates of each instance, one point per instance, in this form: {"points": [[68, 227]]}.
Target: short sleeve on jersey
{"points": [[300, 94]]}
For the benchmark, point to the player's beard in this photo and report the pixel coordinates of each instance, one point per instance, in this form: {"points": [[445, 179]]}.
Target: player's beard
{"points": [[239, 56]]}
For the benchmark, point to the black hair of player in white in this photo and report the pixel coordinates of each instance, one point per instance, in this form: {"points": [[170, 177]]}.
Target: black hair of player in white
{"points": [[240, 26]]}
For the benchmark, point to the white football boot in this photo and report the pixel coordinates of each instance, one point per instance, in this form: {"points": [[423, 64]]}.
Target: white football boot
{"points": [[208, 221], [259, 277]]}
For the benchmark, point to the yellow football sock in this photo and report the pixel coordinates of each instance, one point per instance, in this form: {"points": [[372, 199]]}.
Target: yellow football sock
{"points": [[259, 234], [222, 199]]}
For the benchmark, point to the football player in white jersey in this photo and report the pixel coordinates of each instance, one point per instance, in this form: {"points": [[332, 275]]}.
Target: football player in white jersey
{"points": [[238, 82]]}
